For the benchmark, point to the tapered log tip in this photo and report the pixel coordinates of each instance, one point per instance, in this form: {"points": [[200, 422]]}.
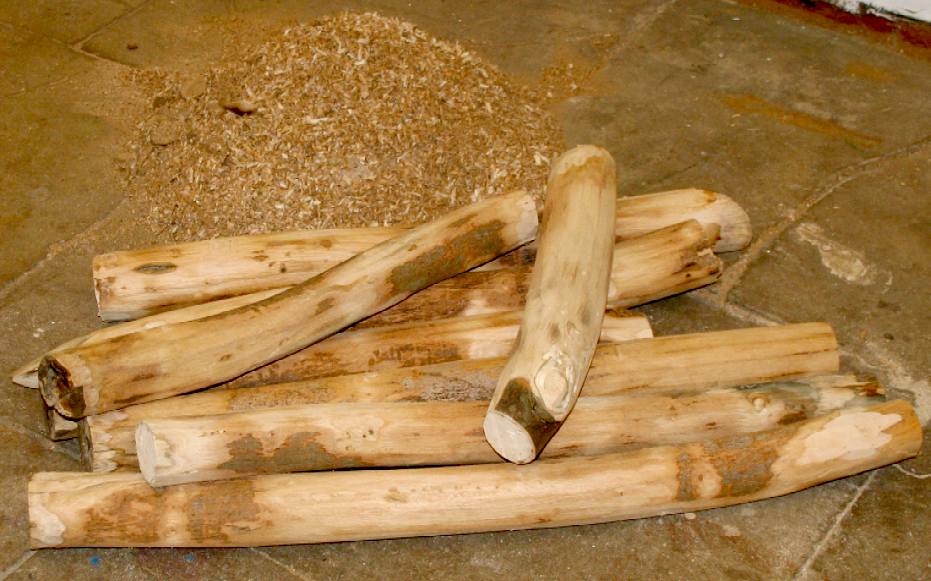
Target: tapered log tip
{"points": [[508, 438], [579, 155], [736, 230]]}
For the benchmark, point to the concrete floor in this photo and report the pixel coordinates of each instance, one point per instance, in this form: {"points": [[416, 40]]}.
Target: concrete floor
{"points": [[823, 135]]}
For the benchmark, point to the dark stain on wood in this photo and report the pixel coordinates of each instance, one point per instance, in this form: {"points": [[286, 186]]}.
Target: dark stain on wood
{"points": [[326, 243], [298, 453], [225, 506], [449, 258], [156, 268], [744, 461], [127, 515], [325, 305], [554, 333], [260, 257], [56, 379], [519, 402], [687, 489]]}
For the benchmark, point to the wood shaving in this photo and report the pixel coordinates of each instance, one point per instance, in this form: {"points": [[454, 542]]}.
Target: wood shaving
{"points": [[350, 120]]}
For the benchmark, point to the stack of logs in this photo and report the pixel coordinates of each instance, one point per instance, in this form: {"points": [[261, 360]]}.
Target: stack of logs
{"points": [[251, 382]]}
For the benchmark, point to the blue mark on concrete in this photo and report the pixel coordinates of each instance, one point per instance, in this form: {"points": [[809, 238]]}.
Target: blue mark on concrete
{"points": [[95, 561]]}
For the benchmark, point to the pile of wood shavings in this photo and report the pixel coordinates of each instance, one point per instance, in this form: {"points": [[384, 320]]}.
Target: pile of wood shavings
{"points": [[350, 120]]}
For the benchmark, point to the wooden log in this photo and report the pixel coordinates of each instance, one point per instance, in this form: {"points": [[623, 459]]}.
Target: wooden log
{"points": [[699, 360], [135, 283], [60, 427], [182, 357], [28, 374], [637, 215], [419, 343], [72, 509], [566, 300], [353, 435], [666, 262]]}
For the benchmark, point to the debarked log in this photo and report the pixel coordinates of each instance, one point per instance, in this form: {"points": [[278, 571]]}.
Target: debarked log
{"points": [[698, 360], [182, 357], [72, 509]]}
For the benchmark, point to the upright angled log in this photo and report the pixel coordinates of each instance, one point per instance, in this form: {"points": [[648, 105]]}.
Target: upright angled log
{"points": [[134, 283], [73, 509], [182, 357], [694, 361], [565, 304], [352, 435], [419, 343]]}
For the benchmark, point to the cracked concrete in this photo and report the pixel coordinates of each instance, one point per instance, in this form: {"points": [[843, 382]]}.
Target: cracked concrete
{"points": [[807, 127]]}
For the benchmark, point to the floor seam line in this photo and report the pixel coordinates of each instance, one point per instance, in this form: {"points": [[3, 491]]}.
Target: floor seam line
{"points": [[79, 44], [297, 574], [838, 521], [27, 554], [56, 248], [764, 241]]}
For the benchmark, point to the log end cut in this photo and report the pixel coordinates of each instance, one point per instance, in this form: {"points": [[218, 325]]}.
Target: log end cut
{"points": [[61, 383], [518, 427]]}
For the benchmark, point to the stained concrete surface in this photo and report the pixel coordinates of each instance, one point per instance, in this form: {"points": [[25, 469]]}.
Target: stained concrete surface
{"points": [[824, 136]]}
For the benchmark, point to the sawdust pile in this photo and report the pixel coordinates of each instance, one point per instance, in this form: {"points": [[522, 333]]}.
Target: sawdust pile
{"points": [[350, 120]]}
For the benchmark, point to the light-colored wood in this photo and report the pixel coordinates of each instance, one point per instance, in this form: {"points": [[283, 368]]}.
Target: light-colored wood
{"points": [[72, 509], [134, 283], [419, 343], [60, 427], [566, 300], [641, 214], [352, 435], [666, 262], [183, 357], [700, 360], [28, 374]]}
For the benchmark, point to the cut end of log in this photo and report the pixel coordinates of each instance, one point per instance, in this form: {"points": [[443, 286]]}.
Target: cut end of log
{"points": [[145, 452], [736, 231], [51, 378], [508, 438], [518, 426], [579, 155], [61, 386]]}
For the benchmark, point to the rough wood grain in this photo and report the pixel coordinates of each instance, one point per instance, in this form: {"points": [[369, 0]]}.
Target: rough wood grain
{"points": [[183, 357], [135, 283], [662, 263], [418, 343], [699, 360], [71, 509], [352, 435], [566, 300]]}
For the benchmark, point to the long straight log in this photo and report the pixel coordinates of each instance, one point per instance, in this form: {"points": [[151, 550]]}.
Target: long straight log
{"points": [[352, 435], [70, 509], [566, 300], [135, 283], [699, 360], [675, 259], [182, 357], [417, 344]]}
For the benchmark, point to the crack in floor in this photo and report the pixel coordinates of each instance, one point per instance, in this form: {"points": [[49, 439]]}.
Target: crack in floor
{"points": [[821, 545], [17, 565], [735, 272], [297, 574]]}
